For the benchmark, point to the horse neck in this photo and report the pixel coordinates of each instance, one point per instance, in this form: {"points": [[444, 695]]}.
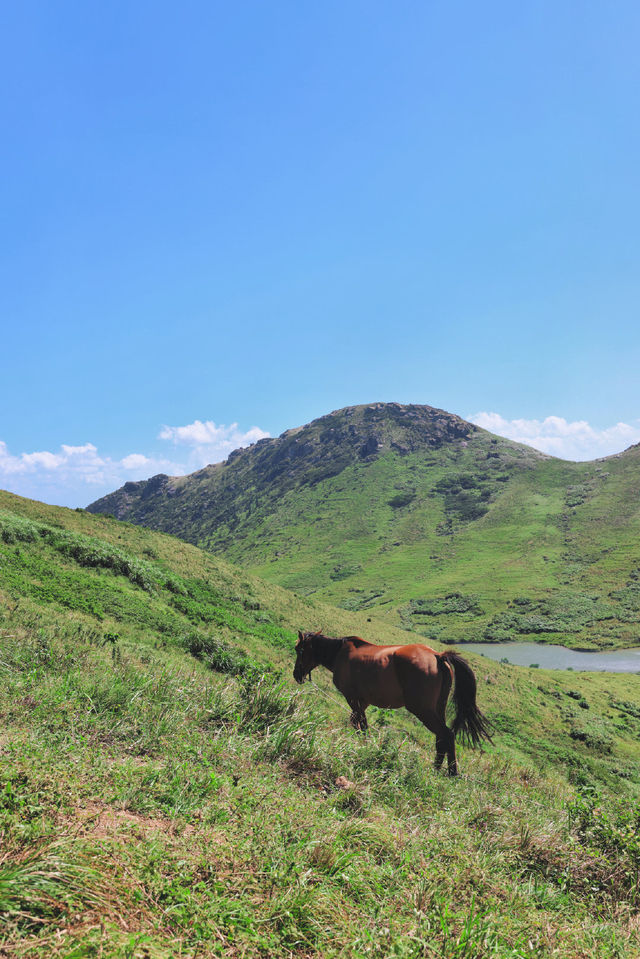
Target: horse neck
{"points": [[325, 650]]}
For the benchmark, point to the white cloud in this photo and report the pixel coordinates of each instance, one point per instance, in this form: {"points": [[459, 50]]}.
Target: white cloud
{"points": [[196, 433], [74, 475], [136, 461], [77, 475], [210, 443], [576, 440], [48, 461]]}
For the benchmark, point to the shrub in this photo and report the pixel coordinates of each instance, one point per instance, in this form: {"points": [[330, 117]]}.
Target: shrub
{"points": [[94, 553], [344, 570], [84, 550], [442, 605], [402, 499], [221, 656], [14, 529], [265, 702], [615, 831]]}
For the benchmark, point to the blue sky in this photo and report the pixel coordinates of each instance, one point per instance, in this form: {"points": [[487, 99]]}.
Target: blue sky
{"points": [[223, 220]]}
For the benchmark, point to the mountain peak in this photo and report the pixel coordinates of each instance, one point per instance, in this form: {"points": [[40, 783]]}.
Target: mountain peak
{"points": [[301, 455], [372, 427]]}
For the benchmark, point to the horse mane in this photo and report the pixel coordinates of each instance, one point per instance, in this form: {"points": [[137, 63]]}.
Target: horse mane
{"points": [[356, 640], [326, 648]]}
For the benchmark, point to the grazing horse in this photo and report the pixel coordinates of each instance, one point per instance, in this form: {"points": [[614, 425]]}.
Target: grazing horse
{"points": [[415, 677]]}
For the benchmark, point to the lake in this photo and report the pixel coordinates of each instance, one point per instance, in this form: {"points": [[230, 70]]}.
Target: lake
{"points": [[558, 657]]}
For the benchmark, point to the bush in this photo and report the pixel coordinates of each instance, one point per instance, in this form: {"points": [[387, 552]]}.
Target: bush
{"points": [[599, 742], [14, 529], [344, 570], [441, 605], [265, 702], [615, 831], [402, 499], [94, 553], [84, 550], [219, 655]]}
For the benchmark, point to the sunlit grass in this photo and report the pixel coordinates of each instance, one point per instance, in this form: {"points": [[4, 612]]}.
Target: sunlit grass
{"points": [[166, 789]]}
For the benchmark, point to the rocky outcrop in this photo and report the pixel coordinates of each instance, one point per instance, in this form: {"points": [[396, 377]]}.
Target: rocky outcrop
{"points": [[214, 496]]}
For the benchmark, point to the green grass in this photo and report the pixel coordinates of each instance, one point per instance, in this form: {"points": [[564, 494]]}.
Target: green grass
{"points": [[344, 543], [149, 804], [166, 790]]}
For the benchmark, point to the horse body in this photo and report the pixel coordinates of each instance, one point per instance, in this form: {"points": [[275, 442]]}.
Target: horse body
{"points": [[383, 675], [365, 674], [413, 676]]}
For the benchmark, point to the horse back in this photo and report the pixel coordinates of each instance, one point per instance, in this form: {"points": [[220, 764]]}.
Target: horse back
{"points": [[424, 677], [420, 657], [385, 676]]}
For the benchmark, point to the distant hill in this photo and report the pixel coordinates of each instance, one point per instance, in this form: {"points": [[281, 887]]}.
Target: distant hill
{"points": [[448, 529]]}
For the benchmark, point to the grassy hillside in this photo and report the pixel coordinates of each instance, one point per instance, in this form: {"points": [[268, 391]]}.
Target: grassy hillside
{"points": [[166, 791], [445, 528]]}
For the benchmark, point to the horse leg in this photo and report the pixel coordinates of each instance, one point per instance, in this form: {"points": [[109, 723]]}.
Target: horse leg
{"points": [[358, 718], [364, 725], [445, 740], [441, 751], [447, 744], [445, 737]]}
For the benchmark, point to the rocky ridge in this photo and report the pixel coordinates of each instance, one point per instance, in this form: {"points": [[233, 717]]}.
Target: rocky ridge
{"points": [[305, 454]]}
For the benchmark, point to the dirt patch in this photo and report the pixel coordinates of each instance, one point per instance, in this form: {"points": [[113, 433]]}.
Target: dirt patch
{"points": [[101, 821], [96, 820], [139, 761], [343, 783]]}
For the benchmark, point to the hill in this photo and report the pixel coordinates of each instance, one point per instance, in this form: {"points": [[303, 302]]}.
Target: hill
{"points": [[167, 791], [445, 528]]}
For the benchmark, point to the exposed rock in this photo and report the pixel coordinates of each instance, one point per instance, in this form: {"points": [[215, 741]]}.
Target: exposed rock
{"points": [[216, 496], [343, 783], [154, 485], [370, 446]]}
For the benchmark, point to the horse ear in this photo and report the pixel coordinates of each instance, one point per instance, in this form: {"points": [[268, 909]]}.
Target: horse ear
{"points": [[300, 636]]}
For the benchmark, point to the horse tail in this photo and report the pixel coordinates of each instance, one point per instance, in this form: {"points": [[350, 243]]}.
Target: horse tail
{"points": [[469, 722]]}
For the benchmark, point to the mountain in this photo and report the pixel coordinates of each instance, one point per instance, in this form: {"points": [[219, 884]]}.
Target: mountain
{"points": [[167, 789], [444, 527], [212, 504]]}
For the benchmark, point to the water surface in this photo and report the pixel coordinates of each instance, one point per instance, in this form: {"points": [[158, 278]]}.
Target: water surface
{"points": [[558, 657]]}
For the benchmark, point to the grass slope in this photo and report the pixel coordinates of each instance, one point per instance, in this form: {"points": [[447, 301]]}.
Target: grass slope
{"points": [[450, 531], [166, 791]]}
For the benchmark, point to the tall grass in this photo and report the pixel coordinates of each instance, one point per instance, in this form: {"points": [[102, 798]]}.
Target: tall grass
{"points": [[162, 794], [44, 880], [246, 816]]}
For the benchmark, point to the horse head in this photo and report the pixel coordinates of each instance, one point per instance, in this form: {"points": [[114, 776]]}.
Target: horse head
{"points": [[305, 659]]}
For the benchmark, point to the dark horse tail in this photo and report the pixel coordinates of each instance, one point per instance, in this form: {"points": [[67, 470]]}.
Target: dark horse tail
{"points": [[469, 722]]}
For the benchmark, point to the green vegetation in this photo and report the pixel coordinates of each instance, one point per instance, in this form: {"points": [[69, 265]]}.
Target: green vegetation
{"points": [[417, 612], [391, 506], [166, 790]]}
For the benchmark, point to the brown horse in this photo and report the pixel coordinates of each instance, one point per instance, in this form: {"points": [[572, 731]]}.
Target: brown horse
{"points": [[415, 677]]}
